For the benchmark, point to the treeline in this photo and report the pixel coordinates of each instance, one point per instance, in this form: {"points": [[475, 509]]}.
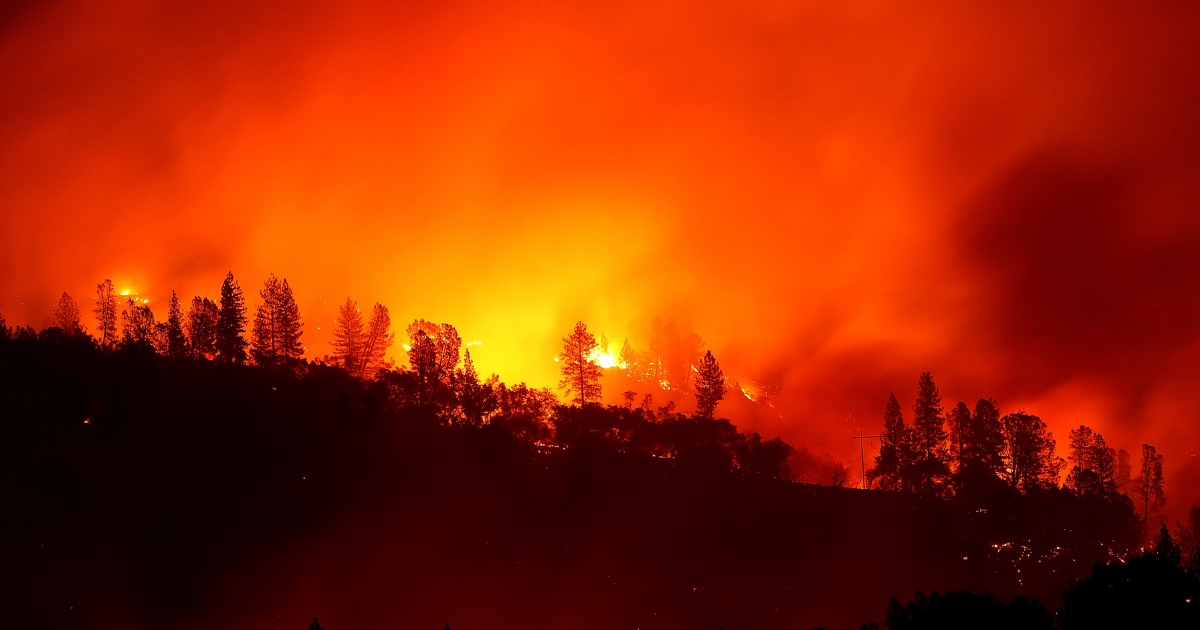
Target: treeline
{"points": [[1158, 588], [440, 381], [968, 450]]}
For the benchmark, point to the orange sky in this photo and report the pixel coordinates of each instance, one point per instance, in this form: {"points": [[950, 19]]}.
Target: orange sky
{"points": [[836, 196]]}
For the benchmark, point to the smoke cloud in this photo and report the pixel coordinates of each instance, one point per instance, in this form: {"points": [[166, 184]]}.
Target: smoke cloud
{"points": [[836, 198]]}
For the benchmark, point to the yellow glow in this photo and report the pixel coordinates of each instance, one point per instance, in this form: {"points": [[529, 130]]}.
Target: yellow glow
{"points": [[606, 359]]}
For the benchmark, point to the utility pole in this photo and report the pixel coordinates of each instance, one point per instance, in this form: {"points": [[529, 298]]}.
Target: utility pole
{"points": [[862, 455]]}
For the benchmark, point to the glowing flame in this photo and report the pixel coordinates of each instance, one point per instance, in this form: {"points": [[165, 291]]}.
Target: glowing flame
{"points": [[606, 359]]}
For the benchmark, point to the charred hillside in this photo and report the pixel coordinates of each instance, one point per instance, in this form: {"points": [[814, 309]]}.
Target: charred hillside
{"points": [[146, 491]]}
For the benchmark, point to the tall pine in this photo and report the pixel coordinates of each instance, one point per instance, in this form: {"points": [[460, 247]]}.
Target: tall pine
{"points": [[710, 386], [176, 341], [231, 323], [348, 336], [202, 323], [580, 376], [376, 343], [895, 448], [106, 314], [277, 326]]}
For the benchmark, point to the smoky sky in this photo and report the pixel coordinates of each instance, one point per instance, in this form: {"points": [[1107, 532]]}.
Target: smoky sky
{"points": [[835, 197]]}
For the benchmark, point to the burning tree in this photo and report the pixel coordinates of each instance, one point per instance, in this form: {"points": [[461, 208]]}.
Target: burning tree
{"points": [[580, 376]]}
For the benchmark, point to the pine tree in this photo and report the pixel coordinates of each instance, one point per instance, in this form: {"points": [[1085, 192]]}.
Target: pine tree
{"points": [[348, 337], [202, 323], [987, 436], [422, 359], [1149, 484], [895, 448], [1094, 465], [176, 341], [1104, 460], [476, 400], [138, 327], [277, 326], [231, 323], [628, 358], [445, 345], [580, 377], [710, 386], [106, 314], [928, 421], [1166, 547], [1189, 541], [961, 426], [929, 436], [66, 315], [378, 340]]}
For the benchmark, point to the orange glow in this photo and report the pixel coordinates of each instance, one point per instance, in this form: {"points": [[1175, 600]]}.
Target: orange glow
{"points": [[836, 197]]}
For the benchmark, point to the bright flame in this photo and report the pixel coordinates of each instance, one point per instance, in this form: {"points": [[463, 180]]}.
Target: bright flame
{"points": [[606, 359]]}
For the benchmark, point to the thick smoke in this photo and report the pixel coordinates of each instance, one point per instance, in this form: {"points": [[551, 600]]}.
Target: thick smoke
{"points": [[835, 198]]}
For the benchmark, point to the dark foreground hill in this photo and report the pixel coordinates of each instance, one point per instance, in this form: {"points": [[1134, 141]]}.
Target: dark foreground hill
{"points": [[139, 491]]}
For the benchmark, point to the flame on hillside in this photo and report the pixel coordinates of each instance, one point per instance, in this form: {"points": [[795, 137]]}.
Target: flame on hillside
{"points": [[606, 358]]}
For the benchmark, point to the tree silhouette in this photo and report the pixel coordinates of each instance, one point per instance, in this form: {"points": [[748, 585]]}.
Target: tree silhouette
{"points": [[963, 609], [348, 334], [710, 386], [895, 448], [987, 435], [106, 314], [628, 356], [277, 325], [1149, 484], [376, 343], [66, 315], [928, 422], [202, 322], [476, 400], [176, 341], [137, 325], [231, 323], [1189, 540], [422, 358], [1150, 590], [959, 420], [1029, 455], [434, 357], [1093, 464], [580, 377]]}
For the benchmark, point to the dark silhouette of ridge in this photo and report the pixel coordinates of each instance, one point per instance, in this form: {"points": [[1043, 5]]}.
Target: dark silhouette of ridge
{"points": [[172, 492]]}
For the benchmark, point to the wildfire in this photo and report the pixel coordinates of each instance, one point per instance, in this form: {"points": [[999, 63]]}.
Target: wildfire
{"points": [[606, 358]]}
